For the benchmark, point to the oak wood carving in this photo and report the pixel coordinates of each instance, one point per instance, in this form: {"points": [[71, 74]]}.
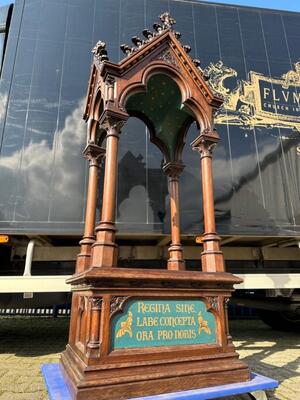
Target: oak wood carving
{"points": [[138, 332]]}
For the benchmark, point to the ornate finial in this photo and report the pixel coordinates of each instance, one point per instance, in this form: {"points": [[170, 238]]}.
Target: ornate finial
{"points": [[158, 28], [137, 41], [148, 34], [126, 49], [100, 52], [167, 20], [187, 48]]}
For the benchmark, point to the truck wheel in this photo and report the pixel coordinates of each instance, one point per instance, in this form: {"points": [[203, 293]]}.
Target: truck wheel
{"points": [[283, 321]]}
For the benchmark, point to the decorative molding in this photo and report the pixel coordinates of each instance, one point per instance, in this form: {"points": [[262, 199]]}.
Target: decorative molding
{"points": [[167, 284]]}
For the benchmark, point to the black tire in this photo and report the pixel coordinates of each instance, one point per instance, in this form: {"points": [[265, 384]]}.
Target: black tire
{"points": [[282, 321]]}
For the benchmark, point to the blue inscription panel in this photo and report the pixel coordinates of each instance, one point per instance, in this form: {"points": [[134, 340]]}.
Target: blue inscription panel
{"points": [[148, 323]]}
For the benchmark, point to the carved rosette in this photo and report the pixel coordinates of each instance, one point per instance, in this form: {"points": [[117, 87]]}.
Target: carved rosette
{"points": [[117, 303]]}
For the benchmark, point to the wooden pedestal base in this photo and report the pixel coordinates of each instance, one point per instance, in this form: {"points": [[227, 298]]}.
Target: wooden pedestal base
{"points": [[141, 332]]}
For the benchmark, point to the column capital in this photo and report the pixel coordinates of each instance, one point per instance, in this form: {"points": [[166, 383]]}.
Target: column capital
{"points": [[173, 169], [94, 153], [113, 121], [206, 142]]}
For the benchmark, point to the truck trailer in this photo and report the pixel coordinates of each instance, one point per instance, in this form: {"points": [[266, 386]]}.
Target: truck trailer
{"points": [[252, 59]]}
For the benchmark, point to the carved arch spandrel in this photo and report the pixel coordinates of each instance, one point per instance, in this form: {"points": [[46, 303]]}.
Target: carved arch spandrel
{"points": [[214, 305], [117, 304]]}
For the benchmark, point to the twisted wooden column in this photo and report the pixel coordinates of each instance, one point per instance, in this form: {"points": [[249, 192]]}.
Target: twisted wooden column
{"points": [[104, 250], [212, 258], [173, 171], [95, 155]]}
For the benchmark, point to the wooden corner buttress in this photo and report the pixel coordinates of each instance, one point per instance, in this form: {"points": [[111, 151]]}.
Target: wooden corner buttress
{"points": [[139, 332]]}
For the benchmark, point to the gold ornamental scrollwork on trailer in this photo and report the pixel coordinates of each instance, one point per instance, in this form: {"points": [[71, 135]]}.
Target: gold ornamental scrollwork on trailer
{"points": [[261, 101]]}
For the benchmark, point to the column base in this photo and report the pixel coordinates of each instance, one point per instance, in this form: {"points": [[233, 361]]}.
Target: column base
{"points": [[83, 260], [212, 261], [105, 250], [104, 255], [212, 258], [176, 261], [176, 265]]}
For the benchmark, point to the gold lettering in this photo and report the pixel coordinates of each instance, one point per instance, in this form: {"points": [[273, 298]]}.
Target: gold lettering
{"points": [[285, 95], [185, 308], [165, 335], [176, 321], [298, 150], [153, 308], [185, 334], [296, 97], [274, 95], [142, 336], [266, 92], [147, 321]]}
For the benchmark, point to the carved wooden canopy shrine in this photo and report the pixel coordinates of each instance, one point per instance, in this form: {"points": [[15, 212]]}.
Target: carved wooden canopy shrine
{"points": [[137, 332]]}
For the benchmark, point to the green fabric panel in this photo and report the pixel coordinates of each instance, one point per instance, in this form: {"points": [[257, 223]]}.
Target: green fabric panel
{"points": [[161, 105]]}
